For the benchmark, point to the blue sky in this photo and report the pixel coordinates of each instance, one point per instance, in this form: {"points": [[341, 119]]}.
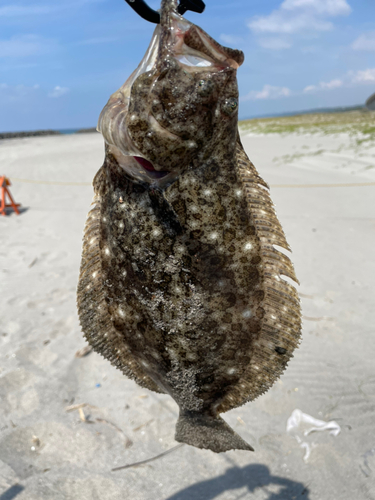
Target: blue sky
{"points": [[60, 61]]}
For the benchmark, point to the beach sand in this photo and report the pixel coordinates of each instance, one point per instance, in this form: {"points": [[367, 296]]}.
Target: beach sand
{"points": [[324, 190]]}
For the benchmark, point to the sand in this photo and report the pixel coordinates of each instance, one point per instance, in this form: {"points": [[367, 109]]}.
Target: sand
{"points": [[324, 196]]}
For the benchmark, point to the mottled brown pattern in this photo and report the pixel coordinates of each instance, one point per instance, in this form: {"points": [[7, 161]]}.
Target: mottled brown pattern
{"points": [[180, 283]]}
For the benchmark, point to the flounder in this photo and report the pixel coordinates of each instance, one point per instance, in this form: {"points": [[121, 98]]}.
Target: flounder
{"points": [[180, 283]]}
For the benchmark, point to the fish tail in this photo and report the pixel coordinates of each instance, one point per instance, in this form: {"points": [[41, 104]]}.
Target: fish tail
{"points": [[208, 432]]}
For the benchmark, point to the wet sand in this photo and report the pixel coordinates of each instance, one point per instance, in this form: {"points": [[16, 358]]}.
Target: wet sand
{"points": [[324, 193]]}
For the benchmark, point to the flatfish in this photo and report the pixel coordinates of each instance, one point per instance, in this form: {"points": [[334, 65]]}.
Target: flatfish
{"points": [[180, 283]]}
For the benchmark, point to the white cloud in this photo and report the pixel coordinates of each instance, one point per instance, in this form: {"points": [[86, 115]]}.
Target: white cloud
{"points": [[352, 78], [365, 42], [24, 46], [58, 91], [11, 93], [365, 76], [333, 84], [268, 92], [325, 7], [277, 22], [295, 16], [231, 39], [310, 88], [274, 43]]}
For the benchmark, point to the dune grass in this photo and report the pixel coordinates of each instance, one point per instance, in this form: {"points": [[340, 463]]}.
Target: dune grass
{"points": [[359, 124]]}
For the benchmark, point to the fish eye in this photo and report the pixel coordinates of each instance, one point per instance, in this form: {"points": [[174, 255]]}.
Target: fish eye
{"points": [[205, 87], [230, 105]]}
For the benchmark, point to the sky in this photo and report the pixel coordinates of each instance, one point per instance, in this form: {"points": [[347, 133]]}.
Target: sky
{"points": [[61, 60]]}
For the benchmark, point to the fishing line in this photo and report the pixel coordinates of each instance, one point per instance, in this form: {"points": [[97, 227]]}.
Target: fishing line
{"points": [[136, 464], [273, 186]]}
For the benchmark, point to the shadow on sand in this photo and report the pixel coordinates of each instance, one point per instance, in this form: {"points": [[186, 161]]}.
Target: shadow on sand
{"points": [[12, 492], [253, 477], [10, 212]]}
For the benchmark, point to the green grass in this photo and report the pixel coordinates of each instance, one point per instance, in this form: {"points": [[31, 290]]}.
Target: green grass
{"points": [[359, 124]]}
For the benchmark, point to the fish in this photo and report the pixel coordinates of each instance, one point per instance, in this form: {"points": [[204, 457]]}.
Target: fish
{"points": [[180, 282]]}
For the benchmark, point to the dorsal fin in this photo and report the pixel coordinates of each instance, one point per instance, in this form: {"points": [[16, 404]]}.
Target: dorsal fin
{"points": [[281, 324]]}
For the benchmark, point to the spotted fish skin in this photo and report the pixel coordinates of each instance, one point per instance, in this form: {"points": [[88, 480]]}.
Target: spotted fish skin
{"points": [[180, 284]]}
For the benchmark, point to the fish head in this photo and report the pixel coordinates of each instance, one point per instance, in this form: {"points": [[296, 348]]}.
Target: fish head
{"points": [[169, 111]]}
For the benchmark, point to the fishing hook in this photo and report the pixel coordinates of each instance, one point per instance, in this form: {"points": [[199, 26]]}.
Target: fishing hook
{"points": [[143, 10]]}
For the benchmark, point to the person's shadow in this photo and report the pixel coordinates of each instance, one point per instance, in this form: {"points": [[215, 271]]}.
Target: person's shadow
{"points": [[253, 477]]}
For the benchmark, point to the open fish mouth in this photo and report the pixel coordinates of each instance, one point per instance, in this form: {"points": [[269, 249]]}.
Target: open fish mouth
{"points": [[164, 114], [148, 166]]}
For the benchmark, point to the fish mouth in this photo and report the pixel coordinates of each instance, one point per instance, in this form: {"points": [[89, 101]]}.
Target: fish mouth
{"points": [[181, 38], [142, 170], [194, 49], [149, 167], [178, 42]]}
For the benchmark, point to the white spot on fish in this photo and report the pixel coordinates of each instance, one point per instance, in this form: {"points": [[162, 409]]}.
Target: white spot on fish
{"points": [[107, 251], [248, 246], [207, 192], [121, 312], [238, 192], [156, 232], [94, 275], [173, 353], [246, 314], [230, 371], [214, 236]]}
